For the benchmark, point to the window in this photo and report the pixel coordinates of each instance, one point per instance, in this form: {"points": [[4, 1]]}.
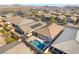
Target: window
{"points": [[57, 51], [35, 34]]}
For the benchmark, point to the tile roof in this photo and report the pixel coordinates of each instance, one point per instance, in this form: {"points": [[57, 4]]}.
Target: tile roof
{"points": [[28, 28], [50, 31], [66, 41]]}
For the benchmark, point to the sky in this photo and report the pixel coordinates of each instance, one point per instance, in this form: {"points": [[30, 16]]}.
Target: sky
{"points": [[50, 4], [40, 2]]}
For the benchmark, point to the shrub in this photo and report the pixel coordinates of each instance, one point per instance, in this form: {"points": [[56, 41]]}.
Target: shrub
{"points": [[9, 40], [14, 36], [6, 25], [63, 21], [2, 31], [52, 19]]}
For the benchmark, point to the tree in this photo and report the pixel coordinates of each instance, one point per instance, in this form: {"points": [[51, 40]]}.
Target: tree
{"points": [[63, 21], [52, 19]]}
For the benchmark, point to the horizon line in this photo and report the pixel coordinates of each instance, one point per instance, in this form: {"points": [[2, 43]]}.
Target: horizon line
{"points": [[41, 4]]}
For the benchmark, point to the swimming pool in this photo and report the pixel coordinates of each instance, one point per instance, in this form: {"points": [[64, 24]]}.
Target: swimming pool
{"points": [[37, 44]]}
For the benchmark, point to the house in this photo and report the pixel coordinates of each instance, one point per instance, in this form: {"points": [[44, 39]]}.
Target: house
{"points": [[13, 19], [77, 21], [26, 29], [8, 26], [48, 32], [33, 26], [42, 38], [46, 17], [9, 15], [59, 18], [20, 24], [71, 19], [67, 42], [2, 41]]}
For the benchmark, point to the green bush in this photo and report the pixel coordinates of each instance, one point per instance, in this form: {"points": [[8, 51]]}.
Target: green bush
{"points": [[63, 21], [14, 36], [2, 31], [9, 40], [5, 26], [52, 19]]}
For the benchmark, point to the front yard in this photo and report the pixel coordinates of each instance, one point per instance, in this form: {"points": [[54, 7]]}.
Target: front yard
{"points": [[7, 37]]}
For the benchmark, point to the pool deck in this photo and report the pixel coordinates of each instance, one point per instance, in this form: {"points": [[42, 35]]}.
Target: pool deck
{"points": [[35, 38]]}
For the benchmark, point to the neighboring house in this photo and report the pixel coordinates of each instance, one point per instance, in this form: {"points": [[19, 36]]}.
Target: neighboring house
{"points": [[77, 21], [19, 23], [6, 33], [13, 19], [71, 19], [9, 15], [32, 26], [46, 18], [59, 18], [27, 29], [2, 38], [67, 42], [8, 26]]}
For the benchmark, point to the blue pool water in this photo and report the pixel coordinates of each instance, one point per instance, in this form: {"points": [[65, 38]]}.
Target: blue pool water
{"points": [[35, 43], [38, 44]]}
